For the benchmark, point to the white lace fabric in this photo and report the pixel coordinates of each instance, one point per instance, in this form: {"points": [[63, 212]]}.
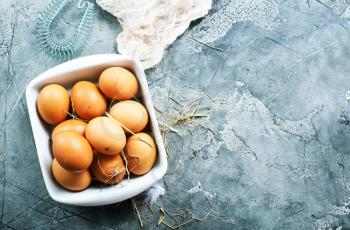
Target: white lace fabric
{"points": [[150, 26]]}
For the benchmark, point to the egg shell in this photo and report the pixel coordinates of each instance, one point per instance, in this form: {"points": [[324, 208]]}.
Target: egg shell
{"points": [[131, 114], [53, 104], [87, 100], [75, 181], [118, 83], [140, 153], [108, 169], [70, 125], [72, 150], [105, 135]]}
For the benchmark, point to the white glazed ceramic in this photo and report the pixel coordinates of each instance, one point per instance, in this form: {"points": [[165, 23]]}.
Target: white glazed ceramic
{"points": [[66, 74]]}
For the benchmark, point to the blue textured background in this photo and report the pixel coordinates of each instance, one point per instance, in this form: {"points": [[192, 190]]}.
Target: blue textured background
{"points": [[272, 151]]}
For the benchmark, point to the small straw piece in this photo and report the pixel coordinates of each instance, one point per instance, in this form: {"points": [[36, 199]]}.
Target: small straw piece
{"points": [[126, 164], [98, 162], [183, 214], [187, 115], [134, 205], [75, 117], [161, 217], [110, 116], [169, 127], [116, 172]]}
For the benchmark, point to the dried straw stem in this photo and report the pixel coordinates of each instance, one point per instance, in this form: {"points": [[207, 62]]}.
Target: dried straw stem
{"points": [[183, 214], [134, 205], [110, 116], [126, 164]]}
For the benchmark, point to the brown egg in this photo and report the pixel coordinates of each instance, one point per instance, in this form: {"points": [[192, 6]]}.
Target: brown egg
{"points": [[70, 125], [118, 83], [87, 100], [105, 135], [72, 150], [108, 169], [53, 104], [75, 181], [140, 153], [130, 114]]}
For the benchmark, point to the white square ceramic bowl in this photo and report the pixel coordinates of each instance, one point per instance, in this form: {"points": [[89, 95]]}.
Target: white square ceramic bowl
{"points": [[66, 74]]}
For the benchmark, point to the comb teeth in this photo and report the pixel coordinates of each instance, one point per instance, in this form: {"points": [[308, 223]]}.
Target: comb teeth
{"points": [[70, 46]]}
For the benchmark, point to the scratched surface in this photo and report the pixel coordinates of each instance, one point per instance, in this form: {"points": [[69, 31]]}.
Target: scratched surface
{"points": [[257, 125]]}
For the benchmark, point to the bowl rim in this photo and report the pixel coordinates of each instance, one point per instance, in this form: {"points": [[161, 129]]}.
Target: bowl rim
{"points": [[116, 193]]}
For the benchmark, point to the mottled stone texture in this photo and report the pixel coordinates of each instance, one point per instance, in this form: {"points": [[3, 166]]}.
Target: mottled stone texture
{"points": [[260, 129]]}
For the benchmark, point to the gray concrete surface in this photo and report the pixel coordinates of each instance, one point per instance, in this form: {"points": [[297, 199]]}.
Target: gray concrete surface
{"points": [[271, 152]]}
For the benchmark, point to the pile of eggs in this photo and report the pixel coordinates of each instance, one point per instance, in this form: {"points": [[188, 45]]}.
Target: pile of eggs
{"points": [[96, 143]]}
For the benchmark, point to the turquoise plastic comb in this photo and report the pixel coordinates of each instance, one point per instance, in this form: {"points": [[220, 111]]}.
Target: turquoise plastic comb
{"points": [[48, 20]]}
